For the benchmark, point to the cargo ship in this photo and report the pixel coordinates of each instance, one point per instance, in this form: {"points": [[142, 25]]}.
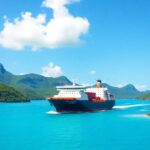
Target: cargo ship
{"points": [[75, 98]]}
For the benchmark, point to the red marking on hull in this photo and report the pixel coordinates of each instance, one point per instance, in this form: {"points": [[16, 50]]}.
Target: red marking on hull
{"points": [[92, 97], [62, 98]]}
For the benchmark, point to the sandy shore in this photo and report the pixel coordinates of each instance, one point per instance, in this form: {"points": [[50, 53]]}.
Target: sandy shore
{"points": [[148, 114]]}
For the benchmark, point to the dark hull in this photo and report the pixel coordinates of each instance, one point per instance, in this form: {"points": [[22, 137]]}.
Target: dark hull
{"points": [[81, 105]]}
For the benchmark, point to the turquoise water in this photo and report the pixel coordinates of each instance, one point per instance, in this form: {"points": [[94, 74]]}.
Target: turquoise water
{"points": [[28, 126]]}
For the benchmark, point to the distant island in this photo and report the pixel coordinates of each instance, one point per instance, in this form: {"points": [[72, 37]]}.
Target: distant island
{"points": [[9, 94], [37, 87], [145, 96]]}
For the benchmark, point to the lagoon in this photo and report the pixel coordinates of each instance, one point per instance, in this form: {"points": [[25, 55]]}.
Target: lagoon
{"points": [[36, 126]]}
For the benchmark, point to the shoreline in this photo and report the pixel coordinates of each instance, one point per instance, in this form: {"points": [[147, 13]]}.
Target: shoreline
{"points": [[148, 114]]}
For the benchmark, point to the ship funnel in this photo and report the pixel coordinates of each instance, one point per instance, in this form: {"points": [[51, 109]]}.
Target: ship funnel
{"points": [[98, 84]]}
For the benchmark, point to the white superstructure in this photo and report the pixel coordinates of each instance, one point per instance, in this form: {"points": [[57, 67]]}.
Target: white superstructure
{"points": [[83, 92], [72, 91], [100, 92]]}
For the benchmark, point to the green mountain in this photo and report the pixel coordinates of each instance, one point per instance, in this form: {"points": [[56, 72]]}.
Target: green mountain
{"points": [[9, 94], [144, 97], [37, 86], [5, 76], [128, 91], [33, 86]]}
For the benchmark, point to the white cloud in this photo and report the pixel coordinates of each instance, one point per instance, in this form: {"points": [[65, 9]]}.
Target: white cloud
{"points": [[52, 70], [142, 87], [22, 74], [63, 29], [121, 85], [92, 72], [87, 84]]}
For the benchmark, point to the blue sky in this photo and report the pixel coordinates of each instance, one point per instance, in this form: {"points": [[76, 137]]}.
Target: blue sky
{"points": [[114, 47]]}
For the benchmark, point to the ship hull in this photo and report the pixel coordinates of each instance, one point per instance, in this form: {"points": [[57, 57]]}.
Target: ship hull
{"points": [[81, 105]]}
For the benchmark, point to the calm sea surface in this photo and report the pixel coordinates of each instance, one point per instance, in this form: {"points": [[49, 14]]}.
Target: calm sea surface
{"points": [[28, 126]]}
